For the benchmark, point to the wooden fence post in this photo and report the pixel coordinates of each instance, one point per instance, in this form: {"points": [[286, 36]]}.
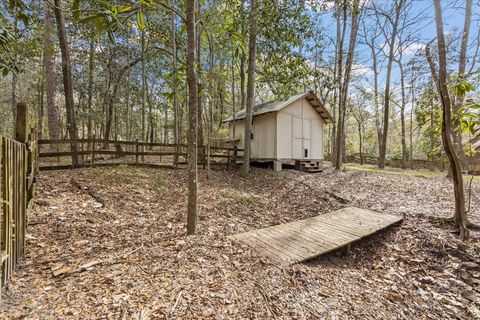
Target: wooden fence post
{"points": [[93, 149], [21, 123], [228, 159], [235, 154], [136, 151]]}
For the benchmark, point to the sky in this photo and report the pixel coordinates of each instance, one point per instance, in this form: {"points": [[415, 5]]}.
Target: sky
{"points": [[453, 16]]}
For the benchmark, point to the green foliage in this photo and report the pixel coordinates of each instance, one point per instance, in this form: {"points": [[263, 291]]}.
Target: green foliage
{"points": [[109, 17], [7, 62], [8, 36], [466, 116]]}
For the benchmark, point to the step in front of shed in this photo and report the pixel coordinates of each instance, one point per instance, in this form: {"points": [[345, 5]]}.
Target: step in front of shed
{"points": [[309, 165]]}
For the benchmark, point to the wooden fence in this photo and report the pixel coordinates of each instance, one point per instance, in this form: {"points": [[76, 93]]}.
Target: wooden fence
{"points": [[18, 172], [397, 163], [57, 154]]}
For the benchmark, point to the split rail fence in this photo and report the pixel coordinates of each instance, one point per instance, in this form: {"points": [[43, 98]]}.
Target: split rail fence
{"points": [[18, 174], [57, 154]]}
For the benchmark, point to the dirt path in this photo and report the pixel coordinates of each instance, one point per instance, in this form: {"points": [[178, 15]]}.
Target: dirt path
{"points": [[129, 258]]}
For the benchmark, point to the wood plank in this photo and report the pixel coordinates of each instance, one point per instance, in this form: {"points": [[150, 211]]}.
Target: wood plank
{"points": [[284, 247], [328, 233], [294, 242], [305, 239], [278, 251]]}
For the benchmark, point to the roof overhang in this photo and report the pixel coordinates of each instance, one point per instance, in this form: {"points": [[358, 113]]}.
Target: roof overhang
{"points": [[319, 107], [309, 95]]}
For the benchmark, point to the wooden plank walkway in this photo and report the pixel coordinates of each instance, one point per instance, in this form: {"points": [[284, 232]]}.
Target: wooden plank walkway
{"points": [[306, 239]]}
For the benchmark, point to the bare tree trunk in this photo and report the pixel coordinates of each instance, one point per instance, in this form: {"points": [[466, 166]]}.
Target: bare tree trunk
{"points": [[176, 115], [360, 147], [340, 7], [359, 120], [211, 106], [412, 111], [90, 91], [165, 125], [13, 105], [460, 216], [192, 118], [337, 88], [67, 80], [144, 86], [386, 109], [151, 122], [40, 109], [222, 105], [432, 132], [243, 59], [378, 124], [233, 99], [457, 131], [402, 115], [127, 97], [49, 67], [13, 102], [113, 97], [200, 90], [252, 52], [344, 89]]}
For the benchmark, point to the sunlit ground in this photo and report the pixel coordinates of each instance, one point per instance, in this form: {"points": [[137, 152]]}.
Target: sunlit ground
{"points": [[406, 172]]}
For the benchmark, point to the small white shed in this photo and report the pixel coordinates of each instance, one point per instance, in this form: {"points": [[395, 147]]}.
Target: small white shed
{"points": [[286, 131]]}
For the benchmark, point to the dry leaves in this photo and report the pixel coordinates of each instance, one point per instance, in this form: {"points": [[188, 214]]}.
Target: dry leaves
{"points": [[130, 259]]}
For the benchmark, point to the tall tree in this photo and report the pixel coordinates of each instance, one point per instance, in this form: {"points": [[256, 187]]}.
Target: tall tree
{"points": [[91, 55], [112, 97], [192, 117], [371, 38], [440, 78], [462, 61], [341, 21], [252, 52], [340, 140], [67, 79], [199, 85], [49, 69], [13, 101], [391, 41], [144, 86], [176, 111], [403, 105]]}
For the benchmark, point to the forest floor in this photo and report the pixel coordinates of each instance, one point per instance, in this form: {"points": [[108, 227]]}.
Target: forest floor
{"points": [[115, 248]]}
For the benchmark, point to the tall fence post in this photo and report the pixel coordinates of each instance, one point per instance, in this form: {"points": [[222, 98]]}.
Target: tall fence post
{"points": [[21, 123], [235, 155], [228, 159], [93, 149], [136, 151]]}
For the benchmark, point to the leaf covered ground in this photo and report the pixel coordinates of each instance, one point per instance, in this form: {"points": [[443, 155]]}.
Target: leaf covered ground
{"points": [[109, 243]]}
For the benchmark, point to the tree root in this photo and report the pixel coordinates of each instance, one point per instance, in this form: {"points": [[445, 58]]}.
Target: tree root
{"points": [[337, 197], [463, 233], [331, 194], [91, 193]]}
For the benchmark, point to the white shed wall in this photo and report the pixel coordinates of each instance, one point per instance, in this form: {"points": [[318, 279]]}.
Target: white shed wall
{"points": [[239, 132], [263, 129], [263, 143], [285, 135]]}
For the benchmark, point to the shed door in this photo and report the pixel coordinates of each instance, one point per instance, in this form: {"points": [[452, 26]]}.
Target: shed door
{"points": [[297, 135], [306, 152]]}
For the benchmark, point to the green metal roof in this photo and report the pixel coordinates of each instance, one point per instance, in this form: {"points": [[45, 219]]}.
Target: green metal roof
{"points": [[279, 104]]}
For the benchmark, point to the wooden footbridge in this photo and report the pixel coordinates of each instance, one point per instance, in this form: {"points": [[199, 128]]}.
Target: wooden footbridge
{"points": [[306, 239]]}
